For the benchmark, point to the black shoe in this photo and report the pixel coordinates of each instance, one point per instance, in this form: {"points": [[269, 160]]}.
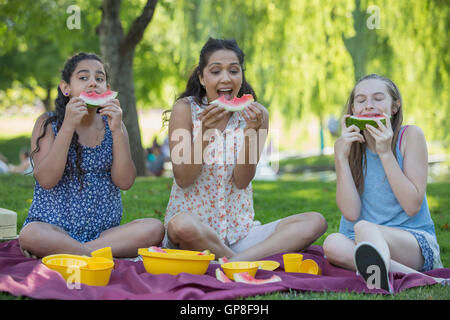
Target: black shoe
{"points": [[371, 266]]}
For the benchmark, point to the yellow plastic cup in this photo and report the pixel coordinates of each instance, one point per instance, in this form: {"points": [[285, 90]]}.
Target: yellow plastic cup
{"points": [[292, 262], [310, 266], [97, 272], [103, 252]]}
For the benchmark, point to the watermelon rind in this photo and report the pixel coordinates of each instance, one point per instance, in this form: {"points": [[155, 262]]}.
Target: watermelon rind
{"points": [[94, 102], [234, 105], [156, 249], [245, 277], [234, 109], [221, 276], [361, 122]]}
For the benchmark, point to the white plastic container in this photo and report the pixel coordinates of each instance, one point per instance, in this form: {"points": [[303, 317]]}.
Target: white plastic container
{"points": [[8, 224]]}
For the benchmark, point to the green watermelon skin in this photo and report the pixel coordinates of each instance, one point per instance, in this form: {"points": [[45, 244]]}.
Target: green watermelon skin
{"points": [[361, 123]]}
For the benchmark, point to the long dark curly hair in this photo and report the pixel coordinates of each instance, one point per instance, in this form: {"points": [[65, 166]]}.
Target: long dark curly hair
{"points": [[60, 111]]}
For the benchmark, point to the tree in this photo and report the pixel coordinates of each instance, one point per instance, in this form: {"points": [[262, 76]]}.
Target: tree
{"points": [[420, 39], [359, 44], [118, 49], [33, 52], [302, 57]]}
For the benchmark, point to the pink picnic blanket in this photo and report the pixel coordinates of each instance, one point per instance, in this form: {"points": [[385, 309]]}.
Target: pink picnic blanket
{"points": [[21, 276]]}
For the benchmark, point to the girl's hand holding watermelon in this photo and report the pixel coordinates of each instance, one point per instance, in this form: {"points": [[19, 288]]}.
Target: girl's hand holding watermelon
{"points": [[348, 136], [112, 110], [383, 136], [76, 109]]}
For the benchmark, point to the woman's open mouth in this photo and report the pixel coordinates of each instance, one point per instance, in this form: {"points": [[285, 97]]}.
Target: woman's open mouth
{"points": [[227, 93]]}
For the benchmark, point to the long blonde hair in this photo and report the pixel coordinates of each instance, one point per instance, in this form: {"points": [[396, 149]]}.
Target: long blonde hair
{"points": [[357, 157]]}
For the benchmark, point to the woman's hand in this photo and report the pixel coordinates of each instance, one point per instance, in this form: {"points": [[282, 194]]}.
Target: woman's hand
{"points": [[253, 115], [211, 116], [257, 118], [76, 109], [348, 136], [113, 111], [382, 135]]}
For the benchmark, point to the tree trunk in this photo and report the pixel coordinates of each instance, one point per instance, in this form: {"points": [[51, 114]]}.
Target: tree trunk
{"points": [[358, 45], [48, 99], [118, 50]]}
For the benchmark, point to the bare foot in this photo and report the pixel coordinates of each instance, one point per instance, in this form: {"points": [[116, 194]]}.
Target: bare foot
{"points": [[27, 254]]}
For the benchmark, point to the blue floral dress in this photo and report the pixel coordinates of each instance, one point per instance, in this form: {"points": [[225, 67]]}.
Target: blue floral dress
{"points": [[85, 213]]}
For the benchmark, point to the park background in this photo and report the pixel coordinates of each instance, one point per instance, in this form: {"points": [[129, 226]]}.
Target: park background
{"points": [[302, 58]]}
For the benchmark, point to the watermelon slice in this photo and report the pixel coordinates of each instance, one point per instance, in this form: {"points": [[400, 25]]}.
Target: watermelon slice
{"points": [[223, 260], [247, 278], [156, 249], [361, 120], [94, 99], [221, 276], [204, 253], [235, 104]]}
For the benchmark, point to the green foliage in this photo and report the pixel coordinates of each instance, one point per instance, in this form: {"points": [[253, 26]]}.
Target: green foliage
{"points": [[421, 61], [301, 56], [37, 42]]}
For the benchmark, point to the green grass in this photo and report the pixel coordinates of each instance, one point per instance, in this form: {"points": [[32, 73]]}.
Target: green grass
{"points": [[11, 147], [321, 160], [313, 163], [272, 200]]}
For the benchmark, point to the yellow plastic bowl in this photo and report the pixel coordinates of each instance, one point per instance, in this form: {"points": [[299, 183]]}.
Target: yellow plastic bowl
{"points": [[93, 271], [175, 261], [61, 262], [230, 268]]}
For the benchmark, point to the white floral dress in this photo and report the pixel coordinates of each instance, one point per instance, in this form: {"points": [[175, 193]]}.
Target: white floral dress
{"points": [[213, 196]]}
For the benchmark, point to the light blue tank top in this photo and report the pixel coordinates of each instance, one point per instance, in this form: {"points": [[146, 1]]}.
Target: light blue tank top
{"points": [[379, 204]]}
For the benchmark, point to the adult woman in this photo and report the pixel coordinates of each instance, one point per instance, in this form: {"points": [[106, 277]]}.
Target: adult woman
{"points": [[211, 203]]}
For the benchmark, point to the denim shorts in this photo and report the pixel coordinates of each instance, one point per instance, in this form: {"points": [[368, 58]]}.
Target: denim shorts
{"points": [[430, 249]]}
